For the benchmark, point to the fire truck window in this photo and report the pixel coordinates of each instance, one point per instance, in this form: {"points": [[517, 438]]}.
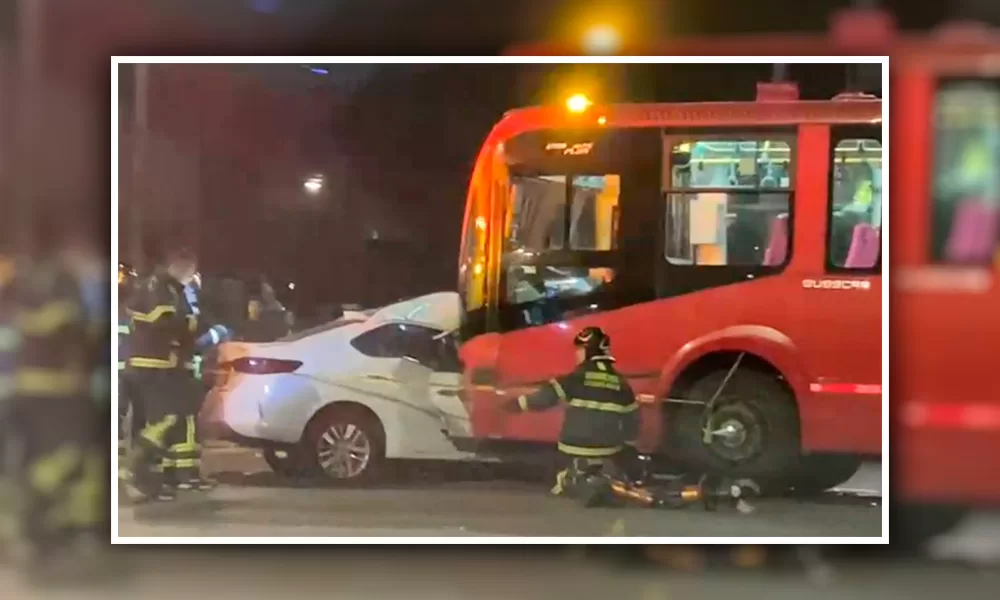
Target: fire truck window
{"points": [[594, 213], [538, 209], [728, 203], [854, 241], [966, 188]]}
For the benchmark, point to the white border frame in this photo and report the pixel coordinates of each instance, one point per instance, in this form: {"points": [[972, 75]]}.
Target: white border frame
{"points": [[882, 60]]}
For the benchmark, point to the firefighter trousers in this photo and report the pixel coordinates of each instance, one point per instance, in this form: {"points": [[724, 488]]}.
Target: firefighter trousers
{"points": [[165, 452], [574, 480], [59, 470]]}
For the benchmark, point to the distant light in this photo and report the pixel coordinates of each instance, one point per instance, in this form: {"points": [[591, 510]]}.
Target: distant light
{"points": [[478, 269], [314, 184], [602, 39], [602, 120], [319, 71], [577, 103], [291, 285], [480, 222]]}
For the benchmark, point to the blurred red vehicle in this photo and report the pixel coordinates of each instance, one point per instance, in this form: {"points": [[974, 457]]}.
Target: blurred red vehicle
{"points": [[945, 249]]}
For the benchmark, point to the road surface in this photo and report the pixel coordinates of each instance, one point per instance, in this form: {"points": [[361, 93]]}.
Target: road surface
{"points": [[473, 502]]}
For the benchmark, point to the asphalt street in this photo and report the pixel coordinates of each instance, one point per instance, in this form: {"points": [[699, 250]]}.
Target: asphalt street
{"points": [[467, 501]]}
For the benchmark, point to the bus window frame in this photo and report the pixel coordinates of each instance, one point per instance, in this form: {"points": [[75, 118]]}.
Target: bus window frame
{"points": [[933, 257], [839, 133], [672, 137]]}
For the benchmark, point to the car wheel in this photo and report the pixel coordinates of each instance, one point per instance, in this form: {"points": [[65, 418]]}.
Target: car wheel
{"points": [[288, 463], [817, 473], [913, 526], [347, 445], [755, 424]]}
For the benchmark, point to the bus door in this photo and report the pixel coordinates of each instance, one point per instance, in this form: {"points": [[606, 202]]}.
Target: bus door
{"points": [[947, 293], [565, 262], [842, 314]]}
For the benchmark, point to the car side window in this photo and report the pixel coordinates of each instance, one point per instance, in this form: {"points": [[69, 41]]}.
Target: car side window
{"points": [[381, 342]]}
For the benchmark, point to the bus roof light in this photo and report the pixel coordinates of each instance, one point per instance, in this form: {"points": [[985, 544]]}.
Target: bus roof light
{"points": [[578, 103]]}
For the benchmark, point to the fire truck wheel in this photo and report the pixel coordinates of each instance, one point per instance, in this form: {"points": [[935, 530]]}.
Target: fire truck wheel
{"points": [[289, 463], [754, 425], [817, 473], [913, 526], [346, 442]]}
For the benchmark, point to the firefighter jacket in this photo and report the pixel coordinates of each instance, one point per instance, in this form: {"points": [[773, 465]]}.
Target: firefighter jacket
{"points": [[10, 338], [57, 353], [601, 410], [164, 328]]}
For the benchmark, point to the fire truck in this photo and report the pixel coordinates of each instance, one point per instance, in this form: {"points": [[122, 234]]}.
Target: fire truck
{"points": [[945, 90], [731, 250]]}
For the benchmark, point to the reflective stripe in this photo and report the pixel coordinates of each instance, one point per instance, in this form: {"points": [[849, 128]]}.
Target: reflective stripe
{"points": [[48, 318], [603, 406], [48, 382], [9, 339], [588, 452], [192, 323], [121, 365], [957, 416], [155, 314], [124, 330], [558, 389], [522, 402], [6, 385], [846, 388], [141, 362]]}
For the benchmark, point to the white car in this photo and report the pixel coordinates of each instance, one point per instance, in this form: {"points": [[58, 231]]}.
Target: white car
{"points": [[341, 398]]}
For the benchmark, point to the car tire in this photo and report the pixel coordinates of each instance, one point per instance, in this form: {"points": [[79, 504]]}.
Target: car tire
{"points": [[913, 526], [817, 473], [289, 463], [764, 447], [330, 438]]}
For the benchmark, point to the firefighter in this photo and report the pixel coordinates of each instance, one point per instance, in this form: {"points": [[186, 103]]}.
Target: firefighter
{"points": [[60, 305], [128, 415], [9, 345], [601, 416], [164, 332]]}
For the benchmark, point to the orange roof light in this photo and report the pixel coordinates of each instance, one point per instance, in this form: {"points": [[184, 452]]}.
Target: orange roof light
{"points": [[578, 103]]}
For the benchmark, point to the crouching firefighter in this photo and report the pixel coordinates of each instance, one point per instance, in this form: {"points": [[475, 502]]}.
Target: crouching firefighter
{"points": [[601, 418], [165, 457]]}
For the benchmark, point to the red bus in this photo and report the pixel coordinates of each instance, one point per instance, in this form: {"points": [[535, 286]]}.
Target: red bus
{"points": [[945, 413], [728, 243]]}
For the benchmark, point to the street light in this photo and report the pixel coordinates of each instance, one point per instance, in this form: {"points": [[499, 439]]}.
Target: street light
{"points": [[314, 185]]}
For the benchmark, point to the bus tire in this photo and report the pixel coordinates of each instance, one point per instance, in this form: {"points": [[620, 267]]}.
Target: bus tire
{"points": [[817, 473], [765, 444], [913, 526]]}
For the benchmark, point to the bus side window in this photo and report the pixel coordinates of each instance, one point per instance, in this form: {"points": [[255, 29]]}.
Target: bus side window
{"points": [[728, 202], [855, 204], [965, 224]]}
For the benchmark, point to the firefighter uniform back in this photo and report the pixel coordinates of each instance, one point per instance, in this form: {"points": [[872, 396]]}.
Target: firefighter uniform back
{"points": [[62, 453], [601, 415], [163, 333]]}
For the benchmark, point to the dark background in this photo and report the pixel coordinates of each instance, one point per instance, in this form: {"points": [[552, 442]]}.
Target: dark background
{"points": [[233, 145]]}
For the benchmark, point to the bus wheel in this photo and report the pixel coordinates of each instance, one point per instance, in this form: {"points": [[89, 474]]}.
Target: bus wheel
{"points": [[817, 473], [754, 425]]}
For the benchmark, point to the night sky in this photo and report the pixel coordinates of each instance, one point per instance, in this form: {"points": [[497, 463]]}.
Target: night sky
{"points": [[413, 133]]}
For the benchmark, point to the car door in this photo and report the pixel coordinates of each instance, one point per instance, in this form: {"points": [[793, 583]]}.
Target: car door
{"points": [[430, 374]]}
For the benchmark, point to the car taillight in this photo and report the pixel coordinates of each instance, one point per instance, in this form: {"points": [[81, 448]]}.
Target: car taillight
{"points": [[264, 366]]}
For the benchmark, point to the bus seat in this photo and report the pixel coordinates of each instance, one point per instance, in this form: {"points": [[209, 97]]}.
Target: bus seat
{"points": [[974, 231], [864, 250], [777, 245]]}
